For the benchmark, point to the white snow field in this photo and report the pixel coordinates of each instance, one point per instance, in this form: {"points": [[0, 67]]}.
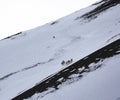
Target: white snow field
{"points": [[29, 57]]}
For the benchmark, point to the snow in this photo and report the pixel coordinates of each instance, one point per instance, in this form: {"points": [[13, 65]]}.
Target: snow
{"points": [[102, 84], [30, 57]]}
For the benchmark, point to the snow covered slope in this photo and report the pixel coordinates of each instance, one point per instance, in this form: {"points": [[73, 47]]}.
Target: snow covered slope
{"points": [[30, 56], [105, 57]]}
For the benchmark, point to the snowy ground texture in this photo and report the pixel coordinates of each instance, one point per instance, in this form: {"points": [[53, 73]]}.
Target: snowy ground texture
{"points": [[30, 57]]}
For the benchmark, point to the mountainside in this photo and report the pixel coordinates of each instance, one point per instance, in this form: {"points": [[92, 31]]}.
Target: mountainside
{"points": [[37, 62], [76, 71]]}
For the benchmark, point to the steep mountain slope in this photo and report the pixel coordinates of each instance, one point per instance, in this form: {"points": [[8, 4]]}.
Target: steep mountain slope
{"points": [[30, 56], [71, 74]]}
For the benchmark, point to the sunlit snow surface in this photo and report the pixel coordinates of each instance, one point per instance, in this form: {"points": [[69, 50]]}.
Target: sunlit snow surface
{"points": [[31, 56]]}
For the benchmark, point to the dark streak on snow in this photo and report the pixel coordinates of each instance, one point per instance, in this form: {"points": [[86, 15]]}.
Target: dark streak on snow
{"points": [[98, 2], [103, 7], [37, 65], [25, 69], [12, 36], [8, 75], [55, 22], [72, 73], [113, 37]]}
